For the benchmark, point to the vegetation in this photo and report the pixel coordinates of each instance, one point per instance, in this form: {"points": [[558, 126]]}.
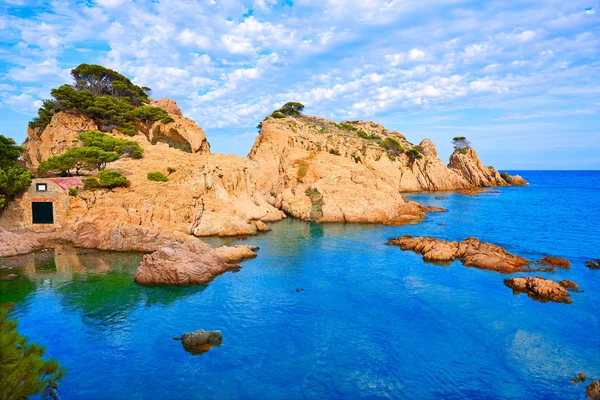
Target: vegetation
{"points": [[149, 114], [23, 371], [105, 96], [157, 176], [334, 152], [73, 191], [110, 143], [171, 170], [392, 146], [78, 158], [414, 153], [107, 179], [461, 143], [364, 135], [346, 126], [14, 178]]}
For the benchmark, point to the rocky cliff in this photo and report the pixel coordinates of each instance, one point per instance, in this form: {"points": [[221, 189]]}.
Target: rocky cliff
{"points": [[306, 167]]}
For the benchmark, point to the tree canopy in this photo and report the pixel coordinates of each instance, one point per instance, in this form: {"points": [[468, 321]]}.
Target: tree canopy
{"points": [[23, 371], [78, 158], [127, 148], [14, 178], [104, 95], [461, 143]]}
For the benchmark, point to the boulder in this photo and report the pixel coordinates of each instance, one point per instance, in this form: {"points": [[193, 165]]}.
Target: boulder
{"points": [[471, 251], [567, 284], [13, 244], [592, 391], [539, 288], [555, 262], [592, 265], [200, 341]]}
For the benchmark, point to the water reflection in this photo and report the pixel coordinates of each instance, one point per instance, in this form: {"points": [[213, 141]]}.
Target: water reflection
{"points": [[99, 285]]}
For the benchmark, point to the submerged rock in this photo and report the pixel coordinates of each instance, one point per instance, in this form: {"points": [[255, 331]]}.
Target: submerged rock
{"points": [[579, 378], [539, 288], [200, 341], [471, 251], [592, 265], [592, 391], [13, 244], [555, 262]]}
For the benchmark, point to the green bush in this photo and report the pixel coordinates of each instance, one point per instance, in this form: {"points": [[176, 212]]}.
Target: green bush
{"points": [[346, 126], [157, 176], [23, 371], [111, 143], [107, 179], [364, 135], [171, 170], [73, 191], [277, 114], [413, 153], [149, 114], [392, 146], [14, 178]]}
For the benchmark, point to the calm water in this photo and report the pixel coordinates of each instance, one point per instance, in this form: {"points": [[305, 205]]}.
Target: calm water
{"points": [[372, 322]]}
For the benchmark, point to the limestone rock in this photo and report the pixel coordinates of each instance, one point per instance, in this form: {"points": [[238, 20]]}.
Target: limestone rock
{"points": [[592, 391], [471, 251], [555, 262], [59, 135], [539, 288], [12, 244]]}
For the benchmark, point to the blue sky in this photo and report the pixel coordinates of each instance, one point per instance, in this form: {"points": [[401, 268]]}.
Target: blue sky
{"points": [[520, 79]]}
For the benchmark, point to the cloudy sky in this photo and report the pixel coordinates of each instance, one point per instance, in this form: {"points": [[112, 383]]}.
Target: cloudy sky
{"points": [[520, 79]]}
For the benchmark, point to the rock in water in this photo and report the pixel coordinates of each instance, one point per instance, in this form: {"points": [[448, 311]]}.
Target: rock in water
{"points": [[540, 289], [592, 391], [201, 341], [592, 265], [471, 251], [12, 244], [567, 284], [555, 262]]}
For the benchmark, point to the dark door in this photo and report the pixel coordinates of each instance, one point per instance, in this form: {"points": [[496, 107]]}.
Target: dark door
{"points": [[43, 212]]}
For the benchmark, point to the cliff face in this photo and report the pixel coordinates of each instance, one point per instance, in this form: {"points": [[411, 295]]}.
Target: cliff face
{"points": [[307, 167]]}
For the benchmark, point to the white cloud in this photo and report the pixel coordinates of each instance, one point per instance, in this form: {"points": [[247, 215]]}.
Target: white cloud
{"points": [[416, 54], [22, 103]]}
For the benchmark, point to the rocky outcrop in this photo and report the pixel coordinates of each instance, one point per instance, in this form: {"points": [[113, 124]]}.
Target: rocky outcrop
{"points": [[567, 284], [237, 253], [592, 391], [540, 289], [59, 135], [471, 252], [191, 262], [469, 166], [592, 265], [13, 244], [557, 262], [169, 106], [200, 341]]}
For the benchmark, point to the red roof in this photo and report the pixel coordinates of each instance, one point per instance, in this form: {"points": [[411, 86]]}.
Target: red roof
{"points": [[66, 183]]}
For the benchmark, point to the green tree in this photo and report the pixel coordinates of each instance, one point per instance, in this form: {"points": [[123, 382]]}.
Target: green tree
{"points": [[110, 143], [70, 99], [149, 114], [461, 143], [23, 371], [45, 114], [14, 178], [292, 108], [100, 81], [61, 165], [92, 157]]}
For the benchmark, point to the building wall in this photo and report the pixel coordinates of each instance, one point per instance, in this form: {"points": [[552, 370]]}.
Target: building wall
{"points": [[18, 216]]}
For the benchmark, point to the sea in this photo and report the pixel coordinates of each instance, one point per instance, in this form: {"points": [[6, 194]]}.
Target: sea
{"points": [[329, 311]]}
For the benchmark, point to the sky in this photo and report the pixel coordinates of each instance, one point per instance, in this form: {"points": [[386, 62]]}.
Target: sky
{"points": [[520, 79]]}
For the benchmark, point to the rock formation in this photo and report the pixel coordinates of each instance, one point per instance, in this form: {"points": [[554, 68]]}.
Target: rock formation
{"points": [[12, 244], [471, 252], [592, 265], [541, 289], [592, 391], [467, 164], [200, 341], [555, 262]]}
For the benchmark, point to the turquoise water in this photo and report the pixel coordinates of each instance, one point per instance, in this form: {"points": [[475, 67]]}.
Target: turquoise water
{"points": [[372, 321]]}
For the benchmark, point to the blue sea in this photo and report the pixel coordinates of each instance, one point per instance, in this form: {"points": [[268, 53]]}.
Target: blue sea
{"points": [[372, 321]]}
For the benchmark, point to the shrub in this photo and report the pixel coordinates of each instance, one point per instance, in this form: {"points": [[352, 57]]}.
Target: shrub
{"points": [[171, 170], [157, 176], [414, 153], [277, 114], [334, 151], [346, 126], [23, 371], [392, 146], [73, 191], [45, 114], [149, 114], [107, 179], [364, 135]]}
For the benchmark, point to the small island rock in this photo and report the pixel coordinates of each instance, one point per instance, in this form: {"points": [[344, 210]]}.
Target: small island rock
{"points": [[592, 391], [539, 288], [555, 262]]}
